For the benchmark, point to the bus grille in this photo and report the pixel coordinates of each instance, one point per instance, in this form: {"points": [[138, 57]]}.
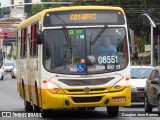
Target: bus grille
{"points": [[91, 90], [86, 99], [85, 82]]}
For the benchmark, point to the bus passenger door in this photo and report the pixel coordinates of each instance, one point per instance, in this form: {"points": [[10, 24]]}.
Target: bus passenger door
{"points": [[34, 63], [29, 66]]}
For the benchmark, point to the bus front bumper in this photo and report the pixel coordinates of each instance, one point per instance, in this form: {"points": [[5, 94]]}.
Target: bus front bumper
{"points": [[51, 101]]}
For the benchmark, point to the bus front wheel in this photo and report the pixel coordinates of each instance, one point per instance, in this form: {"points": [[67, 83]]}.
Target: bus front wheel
{"points": [[45, 113], [28, 106], [112, 111]]}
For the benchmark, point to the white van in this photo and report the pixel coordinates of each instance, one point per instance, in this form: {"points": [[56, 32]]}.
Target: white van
{"points": [[139, 75]]}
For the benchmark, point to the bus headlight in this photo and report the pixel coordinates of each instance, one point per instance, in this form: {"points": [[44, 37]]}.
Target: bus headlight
{"points": [[51, 87], [122, 84]]}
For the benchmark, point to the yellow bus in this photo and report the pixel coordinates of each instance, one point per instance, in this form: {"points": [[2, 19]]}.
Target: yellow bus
{"points": [[63, 60]]}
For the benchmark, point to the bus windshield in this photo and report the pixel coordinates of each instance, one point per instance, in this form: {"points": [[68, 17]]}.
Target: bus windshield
{"points": [[85, 51]]}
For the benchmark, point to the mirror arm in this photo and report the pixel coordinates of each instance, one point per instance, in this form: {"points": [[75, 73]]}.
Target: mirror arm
{"points": [[39, 37]]}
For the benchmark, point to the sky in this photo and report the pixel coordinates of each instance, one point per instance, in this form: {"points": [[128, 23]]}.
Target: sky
{"points": [[4, 2]]}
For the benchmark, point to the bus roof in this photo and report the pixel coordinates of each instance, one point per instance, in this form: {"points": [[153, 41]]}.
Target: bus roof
{"points": [[41, 14]]}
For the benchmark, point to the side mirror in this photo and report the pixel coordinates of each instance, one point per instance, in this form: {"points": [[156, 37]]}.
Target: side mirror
{"points": [[39, 37]]}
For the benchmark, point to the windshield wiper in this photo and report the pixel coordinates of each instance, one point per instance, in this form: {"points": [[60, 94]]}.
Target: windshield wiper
{"points": [[59, 18], [68, 44], [98, 35], [65, 32], [67, 38]]}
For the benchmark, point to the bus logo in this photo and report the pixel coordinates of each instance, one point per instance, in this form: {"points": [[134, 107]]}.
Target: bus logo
{"points": [[86, 90]]}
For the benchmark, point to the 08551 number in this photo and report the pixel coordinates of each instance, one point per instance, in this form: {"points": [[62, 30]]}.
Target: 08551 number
{"points": [[107, 59]]}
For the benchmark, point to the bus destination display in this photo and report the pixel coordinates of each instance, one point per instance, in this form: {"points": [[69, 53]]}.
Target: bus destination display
{"points": [[83, 17]]}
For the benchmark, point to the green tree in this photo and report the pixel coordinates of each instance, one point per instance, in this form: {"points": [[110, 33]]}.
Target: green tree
{"points": [[50, 5], [35, 10], [38, 8], [133, 9]]}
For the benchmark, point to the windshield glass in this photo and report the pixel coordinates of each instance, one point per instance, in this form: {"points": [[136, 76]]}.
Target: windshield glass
{"points": [[8, 64], [85, 51], [140, 72]]}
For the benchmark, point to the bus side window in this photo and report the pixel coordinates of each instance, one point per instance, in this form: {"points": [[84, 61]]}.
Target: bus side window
{"points": [[33, 44], [35, 51], [21, 50], [31, 40], [25, 42]]}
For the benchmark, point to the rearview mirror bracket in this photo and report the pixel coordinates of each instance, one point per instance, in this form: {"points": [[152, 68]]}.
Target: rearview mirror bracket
{"points": [[39, 37]]}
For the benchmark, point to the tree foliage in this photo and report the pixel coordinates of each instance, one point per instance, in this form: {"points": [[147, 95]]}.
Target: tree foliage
{"points": [[133, 9], [38, 8], [35, 10], [136, 21]]}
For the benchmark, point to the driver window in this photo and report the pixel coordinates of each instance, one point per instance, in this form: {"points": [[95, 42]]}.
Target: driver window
{"points": [[156, 75], [152, 75]]}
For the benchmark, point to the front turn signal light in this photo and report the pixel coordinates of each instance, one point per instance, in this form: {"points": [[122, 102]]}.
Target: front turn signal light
{"points": [[51, 87], [120, 85]]}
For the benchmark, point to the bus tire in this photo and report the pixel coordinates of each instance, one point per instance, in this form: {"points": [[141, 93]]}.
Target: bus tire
{"points": [[91, 108], [36, 107], [45, 113], [82, 108], [27, 105], [147, 107], [113, 111]]}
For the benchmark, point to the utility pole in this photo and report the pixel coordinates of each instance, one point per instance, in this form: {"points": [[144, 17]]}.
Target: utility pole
{"points": [[152, 26]]}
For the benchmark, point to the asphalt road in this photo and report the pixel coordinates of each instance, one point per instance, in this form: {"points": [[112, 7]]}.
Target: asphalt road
{"points": [[12, 104]]}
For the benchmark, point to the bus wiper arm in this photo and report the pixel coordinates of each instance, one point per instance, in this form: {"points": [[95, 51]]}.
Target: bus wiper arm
{"points": [[59, 18], [67, 38], [98, 35]]}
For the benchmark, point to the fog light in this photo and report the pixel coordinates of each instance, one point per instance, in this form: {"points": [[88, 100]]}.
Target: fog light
{"points": [[67, 102], [106, 101]]}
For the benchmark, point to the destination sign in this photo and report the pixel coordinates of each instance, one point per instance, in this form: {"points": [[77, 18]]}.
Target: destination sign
{"points": [[83, 17], [77, 17]]}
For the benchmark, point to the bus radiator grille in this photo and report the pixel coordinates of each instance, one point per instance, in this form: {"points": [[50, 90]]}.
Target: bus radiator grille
{"points": [[91, 90]]}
